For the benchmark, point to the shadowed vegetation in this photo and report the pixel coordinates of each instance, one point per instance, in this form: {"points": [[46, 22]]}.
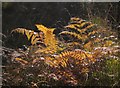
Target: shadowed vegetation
{"points": [[82, 51]]}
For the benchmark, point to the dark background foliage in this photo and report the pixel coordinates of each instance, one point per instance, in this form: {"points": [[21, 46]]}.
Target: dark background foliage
{"points": [[26, 15], [52, 14], [21, 14]]}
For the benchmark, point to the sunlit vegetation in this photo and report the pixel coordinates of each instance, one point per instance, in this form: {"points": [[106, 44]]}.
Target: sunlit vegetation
{"points": [[82, 54]]}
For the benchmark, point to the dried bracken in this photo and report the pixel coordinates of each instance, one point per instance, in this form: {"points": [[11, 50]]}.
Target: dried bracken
{"points": [[59, 62], [49, 39], [34, 37]]}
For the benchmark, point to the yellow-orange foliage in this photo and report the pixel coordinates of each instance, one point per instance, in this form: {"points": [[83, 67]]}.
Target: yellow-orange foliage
{"points": [[72, 34], [20, 60], [49, 39], [81, 57], [32, 36]]}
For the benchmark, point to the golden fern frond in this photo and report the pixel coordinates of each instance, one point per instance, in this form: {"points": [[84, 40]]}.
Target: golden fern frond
{"points": [[72, 34], [83, 24], [49, 61], [19, 30], [20, 60], [78, 23], [90, 34], [77, 27], [42, 28], [82, 30], [72, 27], [48, 34], [87, 28], [23, 31], [30, 34], [49, 39], [35, 40], [80, 56], [76, 19]]}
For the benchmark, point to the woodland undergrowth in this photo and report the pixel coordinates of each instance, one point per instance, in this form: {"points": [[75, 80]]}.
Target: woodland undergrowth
{"points": [[83, 53]]}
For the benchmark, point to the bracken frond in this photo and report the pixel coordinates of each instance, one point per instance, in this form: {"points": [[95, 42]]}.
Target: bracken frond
{"points": [[78, 55], [20, 60], [90, 35], [72, 34], [68, 61], [76, 19], [49, 39], [32, 36]]}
